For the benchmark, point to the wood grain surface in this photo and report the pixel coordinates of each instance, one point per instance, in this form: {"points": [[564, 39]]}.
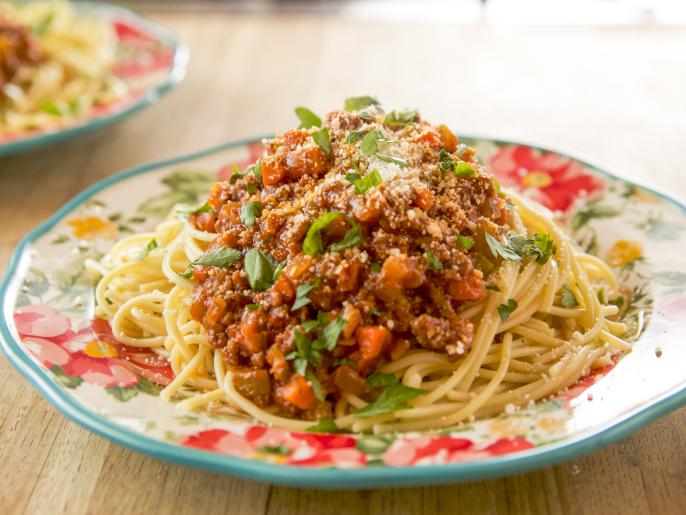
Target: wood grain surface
{"points": [[616, 95]]}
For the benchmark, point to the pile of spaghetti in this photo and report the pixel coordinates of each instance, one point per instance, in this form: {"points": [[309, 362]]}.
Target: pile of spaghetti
{"points": [[55, 64], [366, 274]]}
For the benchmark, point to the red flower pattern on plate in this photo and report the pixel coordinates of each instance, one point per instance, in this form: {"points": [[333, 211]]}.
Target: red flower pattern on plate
{"points": [[91, 354], [548, 178]]}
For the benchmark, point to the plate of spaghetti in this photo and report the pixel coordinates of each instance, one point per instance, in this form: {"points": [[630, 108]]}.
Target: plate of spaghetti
{"points": [[364, 300], [71, 67]]}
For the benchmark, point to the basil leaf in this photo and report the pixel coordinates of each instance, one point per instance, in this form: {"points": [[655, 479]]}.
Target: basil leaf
{"points": [[250, 212], [321, 138], [259, 268], [307, 118], [370, 180], [433, 262], [354, 136], [359, 103], [400, 118], [393, 398], [313, 244], [352, 238], [464, 241], [504, 310], [301, 293], [493, 287], [380, 379], [325, 425], [316, 387], [331, 332], [369, 145], [501, 249], [402, 163], [219, 257], [568, 299], [152, 244]]}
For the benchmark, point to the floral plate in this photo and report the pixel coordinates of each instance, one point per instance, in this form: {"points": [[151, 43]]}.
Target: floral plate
{"points": [[112, 389], [148, 58]]}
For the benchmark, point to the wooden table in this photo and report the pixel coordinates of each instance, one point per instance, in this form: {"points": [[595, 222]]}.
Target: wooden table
{"points": [[616, 95]]}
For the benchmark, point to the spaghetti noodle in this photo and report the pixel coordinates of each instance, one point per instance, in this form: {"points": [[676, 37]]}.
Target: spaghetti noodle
{"points": [[537, 327]]}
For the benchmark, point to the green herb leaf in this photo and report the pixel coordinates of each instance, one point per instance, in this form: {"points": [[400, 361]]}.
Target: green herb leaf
{"points": [[464, 170], [465, 242], [345, 361], [250, 212], [375, 267], [394, 397], [359, 103], [256, 170], [309, 325], [301, 293], [313, 244], [44, 24], [433, 262], [402, 163], [307, 118], [370, 180], [152, 244], [352, 177], [321, 138], [331, 332], [325, 425], [493, 287], [352, 238], [542, 246], [617, 301], [369, 145], [316, 386], [568, 299], [260, 269], [253, 307], [251, 187], [400, 118], [378, 379], [185, 213], [445, 162], [235, 175], [501, 249], [354, 136], [219, 257], [504, 310]]}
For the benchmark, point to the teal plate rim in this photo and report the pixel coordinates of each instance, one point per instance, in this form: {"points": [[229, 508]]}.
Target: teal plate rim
{"points": [[373, 477], [146, 99]]}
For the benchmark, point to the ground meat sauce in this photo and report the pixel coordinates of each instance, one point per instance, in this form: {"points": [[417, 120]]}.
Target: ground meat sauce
{"points": [[17, 50], [400, 287]]}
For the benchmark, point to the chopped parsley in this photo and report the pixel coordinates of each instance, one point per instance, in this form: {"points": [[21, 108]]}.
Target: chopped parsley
{"points": [[465, 242], [313, 244], [402, 163], [253, 307], [568, 299], [394, 397], [541, 246], [316, 386], [321, 138], [325, 425], [354, 136], [446, 164], [185, 213], [370, 143], [504, 310], [152, 244], [378, 379], [362, 184], [375, 267], [493, 287], [219, 257], [359, 103], [400, 118], [433, 262], [302, 292], [308, 351], [250, 212], [617, 301], [352, 177], [261, 269], [307, 118], [352, 238]]}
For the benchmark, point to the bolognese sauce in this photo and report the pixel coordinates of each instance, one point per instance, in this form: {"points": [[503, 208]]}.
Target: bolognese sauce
{"points": [[363, 239]]}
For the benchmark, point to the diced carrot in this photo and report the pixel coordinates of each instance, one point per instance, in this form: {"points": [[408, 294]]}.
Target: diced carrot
{"points": [[398, 347], [423, 198], [299, 393], [215, 311], [353, 318], [272, 173], [371, 339], [398, 272], [431, 138], [284, 287], [448, 138], [253, 334], [469, 288], [347, 280], [349, 381], [295, 137]]}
